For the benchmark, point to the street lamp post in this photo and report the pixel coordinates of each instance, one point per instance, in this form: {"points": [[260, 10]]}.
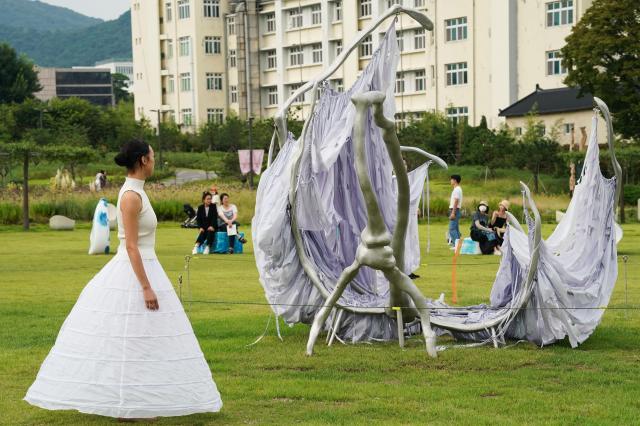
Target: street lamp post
{"points": [[250, 122], [157, 111]]}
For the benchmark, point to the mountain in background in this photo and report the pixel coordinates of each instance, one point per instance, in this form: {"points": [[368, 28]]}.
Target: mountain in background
{"points": [[61, 37], [40, 16]]}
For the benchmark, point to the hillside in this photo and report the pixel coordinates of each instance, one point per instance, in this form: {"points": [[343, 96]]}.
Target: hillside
{"points": [[72, 47], [35, 15]]}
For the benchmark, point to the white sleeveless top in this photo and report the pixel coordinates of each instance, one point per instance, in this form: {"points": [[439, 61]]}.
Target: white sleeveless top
{"points": [[147, 221]]}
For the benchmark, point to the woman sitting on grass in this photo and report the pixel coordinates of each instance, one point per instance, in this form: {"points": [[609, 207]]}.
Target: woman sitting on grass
{"points": [[481, 232], [206, 218], [499, 221], [227, 215]]}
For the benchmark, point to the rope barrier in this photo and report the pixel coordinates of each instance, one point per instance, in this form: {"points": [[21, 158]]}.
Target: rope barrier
{"points": [[444, 308]]}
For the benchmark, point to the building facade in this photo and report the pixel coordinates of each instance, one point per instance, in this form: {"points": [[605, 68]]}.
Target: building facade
{"points": [[118, 67], [93, 85], [201, 60]]}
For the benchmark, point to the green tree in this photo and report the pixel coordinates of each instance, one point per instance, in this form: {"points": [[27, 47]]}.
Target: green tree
{"points": [[536, 151], [18, 79], [120, 84], [602, 55]]}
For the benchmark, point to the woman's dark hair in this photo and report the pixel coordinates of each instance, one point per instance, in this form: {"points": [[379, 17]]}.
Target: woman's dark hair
{"points": [[205, 194], [224, 194], [457, 178], [131, 153]]}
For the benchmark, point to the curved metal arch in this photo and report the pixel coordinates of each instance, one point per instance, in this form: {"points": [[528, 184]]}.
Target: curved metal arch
{"points": [[280, 118], [617, 170]]}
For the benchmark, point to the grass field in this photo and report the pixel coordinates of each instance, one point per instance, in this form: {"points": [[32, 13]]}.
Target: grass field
{"points": [[273, 382]]}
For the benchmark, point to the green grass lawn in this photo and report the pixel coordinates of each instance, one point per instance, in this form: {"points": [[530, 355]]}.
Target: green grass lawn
{"points": [[273, 382]]}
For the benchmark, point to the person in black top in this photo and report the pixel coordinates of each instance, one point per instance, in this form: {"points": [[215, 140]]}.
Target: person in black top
{"points": [[499, 221], [481, 232], [206, 217]]}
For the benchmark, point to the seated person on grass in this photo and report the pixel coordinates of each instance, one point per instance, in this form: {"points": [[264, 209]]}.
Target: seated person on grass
{"points": [[227, 215], [499, 221], [481, 232], [206, 218]]}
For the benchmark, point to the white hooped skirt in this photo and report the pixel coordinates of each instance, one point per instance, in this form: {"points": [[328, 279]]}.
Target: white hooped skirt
{"points": [[114, 357]]}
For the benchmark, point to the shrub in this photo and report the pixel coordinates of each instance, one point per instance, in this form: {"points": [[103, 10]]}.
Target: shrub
{"points": [[10, 213]]}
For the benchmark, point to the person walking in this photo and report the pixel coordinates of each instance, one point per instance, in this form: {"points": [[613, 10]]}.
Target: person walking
{"points": [[127, 349], [455, 204]]}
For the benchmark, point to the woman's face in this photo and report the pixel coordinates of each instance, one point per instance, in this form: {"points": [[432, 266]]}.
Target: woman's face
{"points": [[148, 163], [207, 200], [501, 208], [482, 209], [225, 200]]}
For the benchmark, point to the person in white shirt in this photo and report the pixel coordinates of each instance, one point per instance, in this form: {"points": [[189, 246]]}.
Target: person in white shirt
{"points": [[455, 204], [227, 215]]}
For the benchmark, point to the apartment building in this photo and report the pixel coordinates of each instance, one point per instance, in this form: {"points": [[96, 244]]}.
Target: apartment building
{"points": [[200, 60], [92, 85]]}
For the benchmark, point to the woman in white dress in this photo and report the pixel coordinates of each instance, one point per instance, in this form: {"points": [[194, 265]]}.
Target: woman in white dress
{"points": [[127, 349]]}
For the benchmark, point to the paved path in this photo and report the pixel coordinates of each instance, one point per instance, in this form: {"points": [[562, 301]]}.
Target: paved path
{"points": [[189, 175]]}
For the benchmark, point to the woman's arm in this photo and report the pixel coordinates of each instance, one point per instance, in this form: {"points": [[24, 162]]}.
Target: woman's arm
{"points": [[130, 206], [234, 209], [493, 218], [480, 226]]}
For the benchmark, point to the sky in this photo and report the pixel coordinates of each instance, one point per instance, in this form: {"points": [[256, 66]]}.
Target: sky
{"points": [[103, 9]]}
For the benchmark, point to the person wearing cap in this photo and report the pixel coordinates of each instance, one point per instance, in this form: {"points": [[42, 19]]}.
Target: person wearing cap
{"points": [[499, 221], [455, 204], [481, 232]]}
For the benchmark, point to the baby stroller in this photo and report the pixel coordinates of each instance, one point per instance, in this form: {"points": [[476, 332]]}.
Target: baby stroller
{"points": [[190, 221]]}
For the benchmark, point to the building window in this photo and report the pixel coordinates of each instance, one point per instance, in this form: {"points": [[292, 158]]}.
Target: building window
{"points": [[401, 121], [296, 56], [316, 14], [399, 82], [400, 39], [456, 29], [272, 59], [211, 8], [184, 46], [185, 82], [168, 12], [568, 128], [418, 3], [292, 90], [555, 65], [338, 47], [184, 10], [559, 13], [187, 117], [215, 115], [337, 11], [271, 22], [391, 3], [171, 84], [212, 45], [456, 73], [272, 95], [233, 94], [458, 115], [366, 48], [233, 61], [418, 39], [338, 85], [316, 53], [214, 81], [295, 18], [421, 77], [231, 25], [365, 8], [518, 131], [169, 48]]}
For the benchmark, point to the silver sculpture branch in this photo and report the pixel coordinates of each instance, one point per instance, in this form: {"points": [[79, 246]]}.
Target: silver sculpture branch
{"points": [[604, 109], [375, 249]]}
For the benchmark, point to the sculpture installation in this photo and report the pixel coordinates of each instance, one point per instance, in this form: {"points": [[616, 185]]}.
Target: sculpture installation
{"points": [[331, 220]]}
